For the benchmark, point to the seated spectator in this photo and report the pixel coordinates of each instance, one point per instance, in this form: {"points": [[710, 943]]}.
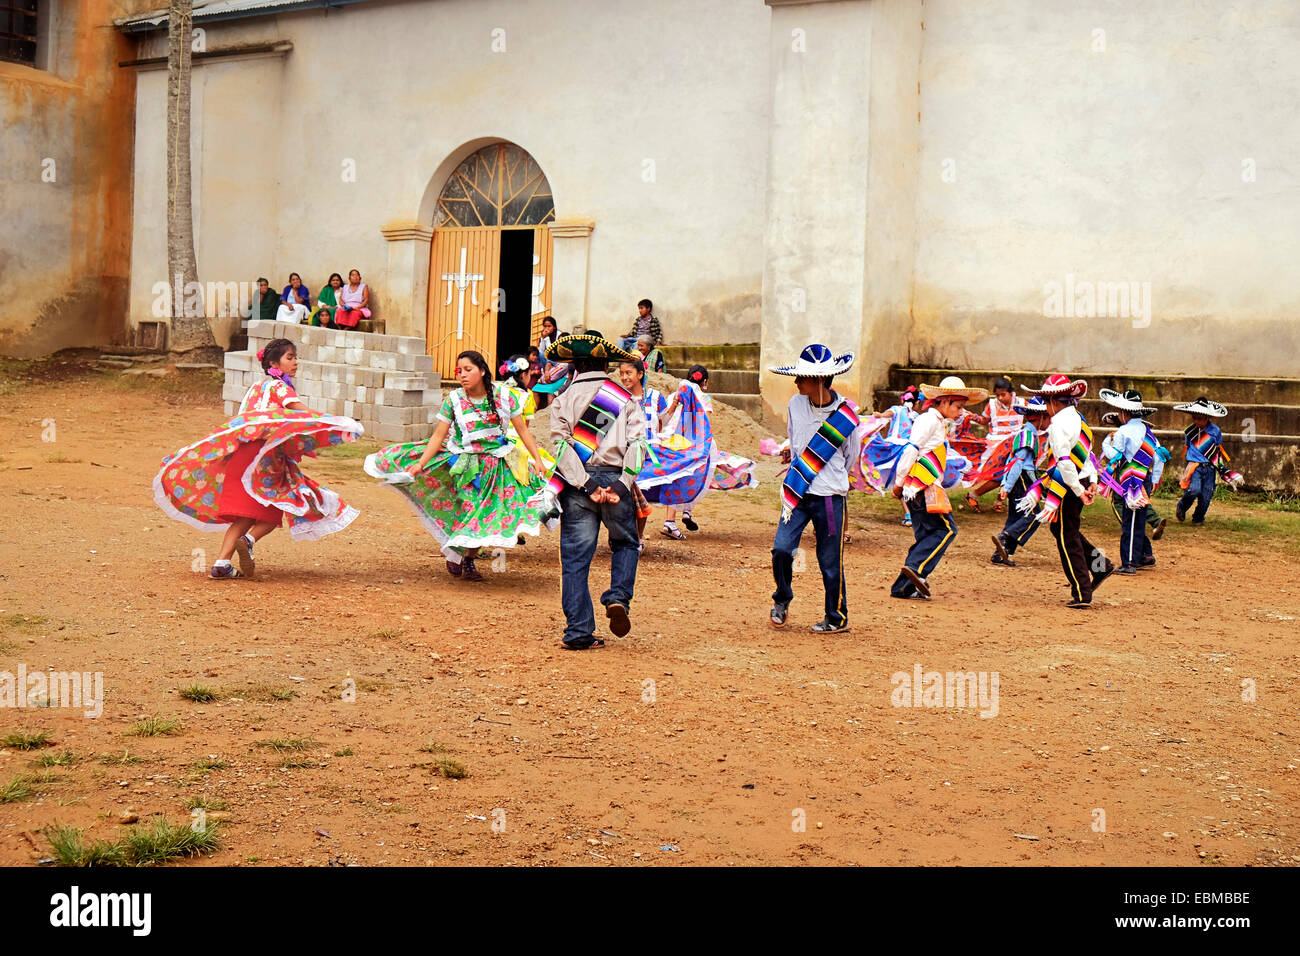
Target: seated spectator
{"points": [[354, 301], [327, 303], [549, 335], [265, 302], [653, 357], [294, 301], [644, 324]]}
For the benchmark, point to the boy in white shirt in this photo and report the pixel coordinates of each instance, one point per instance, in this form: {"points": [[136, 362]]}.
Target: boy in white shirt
{"points": [[824, 444], [918, 481]]}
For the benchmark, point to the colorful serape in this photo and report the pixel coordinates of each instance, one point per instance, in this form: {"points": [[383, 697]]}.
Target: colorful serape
{"points": [[828, 439]]}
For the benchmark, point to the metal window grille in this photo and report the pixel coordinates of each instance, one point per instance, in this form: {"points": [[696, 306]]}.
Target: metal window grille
{"points": [[18, 31]]}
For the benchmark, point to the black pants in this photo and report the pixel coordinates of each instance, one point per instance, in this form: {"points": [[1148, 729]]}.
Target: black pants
{"points": [[1079, 559], [933, 533], [1019, 528]]}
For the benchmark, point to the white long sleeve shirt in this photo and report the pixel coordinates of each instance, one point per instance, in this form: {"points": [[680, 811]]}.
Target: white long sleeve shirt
{"points": [[929, 431], [804, 419], [1062, 435], [1126, 440]]}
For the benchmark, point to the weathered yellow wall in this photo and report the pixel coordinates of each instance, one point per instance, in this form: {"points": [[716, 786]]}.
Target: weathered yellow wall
{"points": [[65, 245]]}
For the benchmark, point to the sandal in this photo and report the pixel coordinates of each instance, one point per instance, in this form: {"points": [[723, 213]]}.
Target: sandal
{"points": [[973, 504], [673, 533], [689, 522]]}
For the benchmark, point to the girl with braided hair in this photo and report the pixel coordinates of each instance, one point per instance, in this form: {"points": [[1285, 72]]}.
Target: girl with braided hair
{"points": [[460, 482]]}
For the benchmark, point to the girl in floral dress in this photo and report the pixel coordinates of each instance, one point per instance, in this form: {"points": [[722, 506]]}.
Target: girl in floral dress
{"points": [[244, 477], [462, 486]]}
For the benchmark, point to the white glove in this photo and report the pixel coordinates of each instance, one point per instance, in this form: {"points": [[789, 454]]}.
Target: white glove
{"points": [[1027, 504]]}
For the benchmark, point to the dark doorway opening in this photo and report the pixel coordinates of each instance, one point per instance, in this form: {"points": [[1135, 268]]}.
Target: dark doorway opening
{"points": [[514, 322]]}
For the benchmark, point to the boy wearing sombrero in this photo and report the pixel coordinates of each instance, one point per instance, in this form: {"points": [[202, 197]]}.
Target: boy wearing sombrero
{"points": [[1133, 453], [1022, 470], [824, 444], [599, 431], [1205, 458], [1069, 485], [918, 481]]}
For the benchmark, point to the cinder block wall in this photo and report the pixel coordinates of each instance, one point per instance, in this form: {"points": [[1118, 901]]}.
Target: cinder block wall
{"points": [[386, 382]]}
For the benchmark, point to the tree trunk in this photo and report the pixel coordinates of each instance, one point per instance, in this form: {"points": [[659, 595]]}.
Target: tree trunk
{"points": [[190, 328]]}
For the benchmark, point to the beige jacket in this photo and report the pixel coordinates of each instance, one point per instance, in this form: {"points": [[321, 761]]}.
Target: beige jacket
{"points": [[623, 444]]}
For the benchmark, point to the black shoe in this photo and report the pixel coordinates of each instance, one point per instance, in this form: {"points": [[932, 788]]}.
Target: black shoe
{"points": [[1000, 543], [583, 645], [619, 625], [1005, 562], [689, 522], [1194, 521], [1180, 514], [1078, 604], [779, 613], [824, 626], [1126, 569], [1160, 529], [1149, 563], [918, 582]]}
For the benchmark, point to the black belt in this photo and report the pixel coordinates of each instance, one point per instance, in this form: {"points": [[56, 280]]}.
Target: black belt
{"points": [[604, 469]]}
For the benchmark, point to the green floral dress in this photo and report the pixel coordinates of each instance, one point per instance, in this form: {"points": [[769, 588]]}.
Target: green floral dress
{"points": [[467, 496]]}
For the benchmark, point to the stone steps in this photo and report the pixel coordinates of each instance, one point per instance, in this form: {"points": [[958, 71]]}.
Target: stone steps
{"points": [[732, 357], [736, 381]]}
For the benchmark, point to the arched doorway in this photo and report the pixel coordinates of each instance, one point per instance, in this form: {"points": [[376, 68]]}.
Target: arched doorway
{"points": [[490, 259]]}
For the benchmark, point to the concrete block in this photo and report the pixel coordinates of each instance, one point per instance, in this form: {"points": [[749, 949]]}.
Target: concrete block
{"points": [[399, 398], [354, 340], [326, 353], [384, 360], [354, 355], [388, 432], [233, 392], [381, 343], [337, 338], [238, 360], [404, 381], [361, 395], [433, 396], [349, 408], [228, 408], [261, 329], [313, 336]]}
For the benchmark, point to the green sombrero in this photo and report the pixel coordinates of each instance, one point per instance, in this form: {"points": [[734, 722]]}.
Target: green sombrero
{"points": [[590, 344]]}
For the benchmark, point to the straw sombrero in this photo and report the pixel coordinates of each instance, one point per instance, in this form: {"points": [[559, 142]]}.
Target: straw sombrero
{"points": [[816, 361], [1203, 406], [589, 344], [1130, 401], [953, 387], [1059, 386]]}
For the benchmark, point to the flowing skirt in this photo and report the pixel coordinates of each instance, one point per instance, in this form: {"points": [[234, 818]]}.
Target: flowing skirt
{"points": [[465, 501], [251, 462]]}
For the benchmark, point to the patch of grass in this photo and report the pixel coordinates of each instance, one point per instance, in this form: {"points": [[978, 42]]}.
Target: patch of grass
{"points": [[266, 692], [204, 803], [451, 769], [351, 449], [142, 846], [56, 760], [345, 752], [384, 634], [17, 789], [433, 747], [62, 460], [25, 622], [156, 727], [198, 693], [283, 744], [297, 763], [21, 740], [126, 757], [205, 766]]}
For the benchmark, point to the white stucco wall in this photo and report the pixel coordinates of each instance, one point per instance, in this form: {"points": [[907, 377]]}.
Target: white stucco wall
{"points": [[1117, 165], [592, 91]]}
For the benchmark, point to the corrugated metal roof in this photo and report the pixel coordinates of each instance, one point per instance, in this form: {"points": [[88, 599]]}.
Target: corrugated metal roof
{"points": [[209, 10]]}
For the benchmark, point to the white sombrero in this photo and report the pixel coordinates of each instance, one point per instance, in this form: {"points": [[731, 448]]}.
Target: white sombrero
{"points": [[953, 387], [1202, 406], [1130, 401], [815, 361]]}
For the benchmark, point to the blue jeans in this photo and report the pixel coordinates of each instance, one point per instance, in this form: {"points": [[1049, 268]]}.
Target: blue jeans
{"points": [[628, 343], [933, 533], [1134, 545], [826, 512], [1200, 490], [1019, 528], [580, 522]]}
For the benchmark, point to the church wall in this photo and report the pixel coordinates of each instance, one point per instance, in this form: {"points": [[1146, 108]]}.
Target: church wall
{"points": [[596, 93], [1131, 164], [65, 175]]}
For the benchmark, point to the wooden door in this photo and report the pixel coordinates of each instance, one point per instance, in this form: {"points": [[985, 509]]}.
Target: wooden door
{"points": [[543, 249], [463, 266]]}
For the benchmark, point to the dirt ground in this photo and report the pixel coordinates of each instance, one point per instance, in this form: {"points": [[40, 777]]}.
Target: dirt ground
{"points": [[704, 737]]}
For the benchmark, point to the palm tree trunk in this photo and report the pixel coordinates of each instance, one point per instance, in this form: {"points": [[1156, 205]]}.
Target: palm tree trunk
{"points": [[189, 328]]}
